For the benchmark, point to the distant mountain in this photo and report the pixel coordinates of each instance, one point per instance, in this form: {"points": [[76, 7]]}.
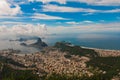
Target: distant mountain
{"points": [[22, 39], [23, 44], [39, 44]]}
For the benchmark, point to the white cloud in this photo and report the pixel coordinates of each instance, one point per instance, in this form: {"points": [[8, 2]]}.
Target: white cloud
{"points": [[47, 1], [87, 21], [72, 23], [56, 8], [87, 14], [100, 2], [10, 23], [78, 23], [7, 10], [41, 30], [9, 17], [112, 11], [100, 27], [24, 30], [46, 17], [90, 2]]}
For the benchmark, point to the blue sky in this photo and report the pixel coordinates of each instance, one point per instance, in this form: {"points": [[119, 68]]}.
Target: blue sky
{"points": [[54, 12], [61, 15]]}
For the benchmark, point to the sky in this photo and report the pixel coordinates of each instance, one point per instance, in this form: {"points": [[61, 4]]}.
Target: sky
{"points": [[32, 17]]}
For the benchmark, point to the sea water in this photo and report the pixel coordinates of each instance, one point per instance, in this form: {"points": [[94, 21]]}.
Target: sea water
{"points": [[102, 40]]}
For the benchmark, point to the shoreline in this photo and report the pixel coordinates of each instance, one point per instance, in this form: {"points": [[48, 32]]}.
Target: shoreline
{"points": [[99, 48], [100, 52], [80, 46], [105, 52]]}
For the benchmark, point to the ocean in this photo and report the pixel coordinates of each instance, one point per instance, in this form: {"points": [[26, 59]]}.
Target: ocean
{"points": [[100, 40]]}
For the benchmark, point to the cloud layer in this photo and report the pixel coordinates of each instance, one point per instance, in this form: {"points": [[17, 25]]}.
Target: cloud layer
{"points": [[101, 2], [23, 30], [6, 9], [56, 8], [93, 28], [43, 31], [90, 2], [46, 17], [47, 1], [43, 11]]}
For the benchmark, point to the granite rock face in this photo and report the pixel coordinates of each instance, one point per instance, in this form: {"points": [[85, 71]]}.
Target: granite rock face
{"points": [[38, 44]]}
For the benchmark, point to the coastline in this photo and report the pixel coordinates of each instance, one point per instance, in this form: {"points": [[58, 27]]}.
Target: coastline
{"points": [[101, 52], [105, 52], [99, 48]]}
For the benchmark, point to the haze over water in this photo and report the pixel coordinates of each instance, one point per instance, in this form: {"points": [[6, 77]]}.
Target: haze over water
{"points": [[104, 41], [100, 40], [89, 23]]}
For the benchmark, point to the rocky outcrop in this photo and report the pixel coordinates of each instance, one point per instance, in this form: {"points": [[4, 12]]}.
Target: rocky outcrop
{"points": [[39, 44]]}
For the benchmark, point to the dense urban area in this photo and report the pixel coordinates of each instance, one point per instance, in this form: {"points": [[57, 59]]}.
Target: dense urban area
{"points": [[63, 61]]}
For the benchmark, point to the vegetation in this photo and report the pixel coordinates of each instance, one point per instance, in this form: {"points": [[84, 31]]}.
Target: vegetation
{"points": [[75, 77], [0, 64], [8, 60], [75, 50], [11, 74], [111, 65]]}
